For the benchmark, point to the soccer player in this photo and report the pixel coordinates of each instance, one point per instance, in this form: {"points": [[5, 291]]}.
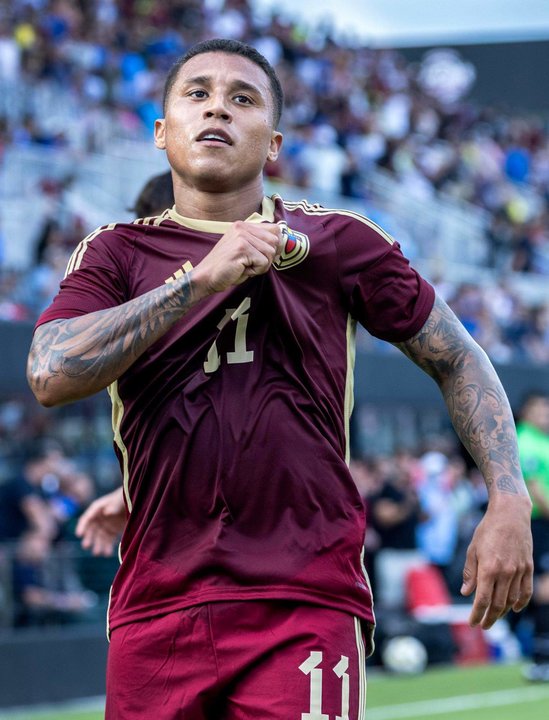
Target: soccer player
{"points": [[533, 442], [224, 331]]}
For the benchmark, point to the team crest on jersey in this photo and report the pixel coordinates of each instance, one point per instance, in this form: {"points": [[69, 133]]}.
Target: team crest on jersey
{"points": [[296, 248]]}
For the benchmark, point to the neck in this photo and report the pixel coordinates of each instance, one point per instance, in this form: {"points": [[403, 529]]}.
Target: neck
{"points": [[221, 206]]}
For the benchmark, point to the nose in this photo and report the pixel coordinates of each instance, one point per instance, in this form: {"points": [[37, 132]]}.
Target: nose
{"points": [[217, 108]]}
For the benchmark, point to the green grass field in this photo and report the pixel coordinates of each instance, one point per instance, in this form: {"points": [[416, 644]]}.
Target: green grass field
{"points": [[493, 692]]}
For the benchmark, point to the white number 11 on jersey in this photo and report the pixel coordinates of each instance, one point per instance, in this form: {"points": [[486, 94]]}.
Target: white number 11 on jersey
{"points": [[240, 354], [310, 667]]}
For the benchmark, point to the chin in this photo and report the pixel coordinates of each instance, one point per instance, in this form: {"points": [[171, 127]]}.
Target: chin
{"points": [[216, 180]]}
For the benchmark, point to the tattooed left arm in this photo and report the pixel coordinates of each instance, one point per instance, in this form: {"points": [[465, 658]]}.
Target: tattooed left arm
{"points": [[499, 559]]}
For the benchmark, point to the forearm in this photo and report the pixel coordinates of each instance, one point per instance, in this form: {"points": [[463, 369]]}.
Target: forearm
{"points": [[476, 401], [482, 417], [72, 359]]}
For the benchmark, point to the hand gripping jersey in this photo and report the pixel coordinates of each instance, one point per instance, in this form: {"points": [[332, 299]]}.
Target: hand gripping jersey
{"points": [[232, 429]]}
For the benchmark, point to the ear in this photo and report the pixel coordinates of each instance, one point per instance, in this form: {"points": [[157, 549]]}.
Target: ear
{"points": [[160, 133], [274, 147]]}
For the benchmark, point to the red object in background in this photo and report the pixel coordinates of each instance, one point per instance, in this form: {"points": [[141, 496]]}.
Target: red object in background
{"points": [[426, 590], [472, 648], [425, 587]]}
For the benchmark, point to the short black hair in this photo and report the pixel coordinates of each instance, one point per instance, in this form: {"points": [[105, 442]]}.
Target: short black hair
{"points": [[234, 47]]}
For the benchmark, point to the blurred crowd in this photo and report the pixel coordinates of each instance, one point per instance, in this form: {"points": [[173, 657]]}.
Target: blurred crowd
{"points": [[39, 505], [349, 110], [421, 504], [83, 74]]}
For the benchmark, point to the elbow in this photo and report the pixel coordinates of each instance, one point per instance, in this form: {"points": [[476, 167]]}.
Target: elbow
{"points": [[42, 394], [46, 401], [42, 387]]}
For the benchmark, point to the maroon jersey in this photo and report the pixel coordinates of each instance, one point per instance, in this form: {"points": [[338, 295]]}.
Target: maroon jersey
{"points": [[232, 429]]}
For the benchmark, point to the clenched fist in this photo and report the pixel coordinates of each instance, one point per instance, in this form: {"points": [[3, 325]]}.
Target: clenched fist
{"points": [[247, 249]]}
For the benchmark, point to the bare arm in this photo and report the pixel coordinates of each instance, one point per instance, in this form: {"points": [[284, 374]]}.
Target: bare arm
{"points": [[71, 359], [499, 559]]}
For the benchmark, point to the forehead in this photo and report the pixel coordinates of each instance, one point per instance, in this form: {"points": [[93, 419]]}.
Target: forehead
{"points": [[229, 68]]}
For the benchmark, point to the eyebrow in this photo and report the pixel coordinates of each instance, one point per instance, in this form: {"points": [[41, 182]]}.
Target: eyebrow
{"points": [[235, 85]]}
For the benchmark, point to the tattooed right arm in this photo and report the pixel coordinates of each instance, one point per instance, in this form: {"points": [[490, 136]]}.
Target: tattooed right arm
{"points": [[72, 359]]}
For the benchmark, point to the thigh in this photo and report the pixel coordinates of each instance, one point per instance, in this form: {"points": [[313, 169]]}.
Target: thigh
{"points": [[307, 663], [162, 668]]}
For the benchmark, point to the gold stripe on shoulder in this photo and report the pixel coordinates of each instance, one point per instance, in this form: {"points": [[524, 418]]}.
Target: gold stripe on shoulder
{"points": [[152, 220], [317, 209], [75, 259], [161, 218]]}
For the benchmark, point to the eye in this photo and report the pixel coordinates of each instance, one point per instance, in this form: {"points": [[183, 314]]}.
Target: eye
{"points": [[199, 94], [243, 100]]}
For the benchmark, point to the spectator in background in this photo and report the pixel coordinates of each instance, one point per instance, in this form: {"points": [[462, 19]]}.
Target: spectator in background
{"points": [[46, 588], [533, 439], [95, 69], [23, 508], [395, 514], [437, 534], [46, 497], [155, 196], [368, 482]]}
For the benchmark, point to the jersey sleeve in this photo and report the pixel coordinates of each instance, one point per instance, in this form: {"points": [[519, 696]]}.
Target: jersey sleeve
{"points": [[385, 294], [96, 276]]}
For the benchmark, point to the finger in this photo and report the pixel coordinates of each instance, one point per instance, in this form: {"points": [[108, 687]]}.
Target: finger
{"points": [[514, 592], [87, 516], [497, 607], [270, 233], [470, 573], [257, 257], [82, 524], [274, 229], [110, 509], [266, 243], [101, 545], [270, 239], [103, 548], [255, 265], [88, 538], [526, 590], [481, 604], [280, 245]]}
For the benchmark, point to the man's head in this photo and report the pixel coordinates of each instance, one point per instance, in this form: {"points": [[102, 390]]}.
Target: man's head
{"points": [[155, 196], [222, 102], [535, 410], [233, 47]]}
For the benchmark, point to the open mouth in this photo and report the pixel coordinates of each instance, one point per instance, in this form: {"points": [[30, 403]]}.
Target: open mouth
{"points": [[214, 137]]}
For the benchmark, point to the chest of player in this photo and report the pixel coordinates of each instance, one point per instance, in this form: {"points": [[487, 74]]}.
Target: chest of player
{"points": [[294, 308]]}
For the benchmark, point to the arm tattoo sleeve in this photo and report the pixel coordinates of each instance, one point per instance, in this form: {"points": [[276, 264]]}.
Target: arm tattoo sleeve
{"points": [[473, 393], [71, 359]]}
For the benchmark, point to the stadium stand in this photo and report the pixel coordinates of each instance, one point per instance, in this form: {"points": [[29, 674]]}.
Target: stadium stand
{"points": [[462, 188]]}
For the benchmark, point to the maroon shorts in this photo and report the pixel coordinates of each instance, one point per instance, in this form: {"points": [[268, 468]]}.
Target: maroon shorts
{"points": [[239, 661]]}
